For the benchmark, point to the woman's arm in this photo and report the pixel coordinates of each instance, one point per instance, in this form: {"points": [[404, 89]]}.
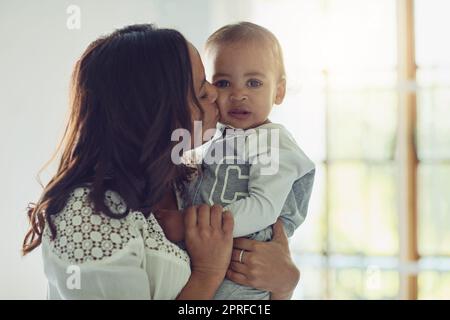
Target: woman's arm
{"points": [[209, 243], [200, 287], [265, 265]]}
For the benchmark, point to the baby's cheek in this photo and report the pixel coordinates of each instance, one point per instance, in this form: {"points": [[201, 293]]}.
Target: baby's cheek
{"points": [[222, 99]]}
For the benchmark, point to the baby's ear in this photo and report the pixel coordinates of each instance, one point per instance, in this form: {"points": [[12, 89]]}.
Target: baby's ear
{"points": [[281, 91]]}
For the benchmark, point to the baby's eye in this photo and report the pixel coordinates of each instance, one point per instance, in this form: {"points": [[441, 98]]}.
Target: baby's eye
{"points": [[253, 83], [222, 83]]}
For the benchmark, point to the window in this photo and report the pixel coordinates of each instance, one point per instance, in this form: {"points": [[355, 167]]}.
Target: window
{"points": [[344, 106], [433, 142]]}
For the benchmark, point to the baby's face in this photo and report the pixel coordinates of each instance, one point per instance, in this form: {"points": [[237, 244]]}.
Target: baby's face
{"points": [[248, 83]]}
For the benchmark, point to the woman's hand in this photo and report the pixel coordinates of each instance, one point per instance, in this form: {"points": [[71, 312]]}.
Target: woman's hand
{"points": [[265, 265], [209, 240]]}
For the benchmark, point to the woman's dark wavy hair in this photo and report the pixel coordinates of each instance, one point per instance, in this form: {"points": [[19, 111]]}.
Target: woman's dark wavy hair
{"points": [[130, 90]]}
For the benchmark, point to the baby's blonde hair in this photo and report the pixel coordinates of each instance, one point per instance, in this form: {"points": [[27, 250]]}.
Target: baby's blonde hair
{"points": [[242, 32]]}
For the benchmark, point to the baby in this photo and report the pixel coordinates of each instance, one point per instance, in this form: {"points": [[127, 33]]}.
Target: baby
{"points": [[253, 168]]}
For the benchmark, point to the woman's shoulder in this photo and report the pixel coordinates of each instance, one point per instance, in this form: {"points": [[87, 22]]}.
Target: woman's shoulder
{"points": [[83, 234]]}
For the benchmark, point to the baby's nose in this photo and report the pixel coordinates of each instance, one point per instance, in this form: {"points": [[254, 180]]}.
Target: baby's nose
{"points": [[238, 94], [238, 97]]}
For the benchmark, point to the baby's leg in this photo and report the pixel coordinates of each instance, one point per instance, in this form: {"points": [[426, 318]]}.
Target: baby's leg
{"points": [[230, 290]]}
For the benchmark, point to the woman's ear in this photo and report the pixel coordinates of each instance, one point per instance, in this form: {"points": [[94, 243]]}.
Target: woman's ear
{"points": [[281, 91]]}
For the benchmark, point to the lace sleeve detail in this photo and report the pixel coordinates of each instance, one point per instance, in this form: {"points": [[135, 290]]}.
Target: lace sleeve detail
{"points": [[83, 235]]}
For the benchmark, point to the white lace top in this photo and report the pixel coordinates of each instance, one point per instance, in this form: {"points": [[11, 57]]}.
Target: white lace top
{"points": [[97, 257]]}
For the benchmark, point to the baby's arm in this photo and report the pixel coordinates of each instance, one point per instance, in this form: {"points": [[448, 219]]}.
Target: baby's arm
{"points": [[295, 208], [268, 193]]}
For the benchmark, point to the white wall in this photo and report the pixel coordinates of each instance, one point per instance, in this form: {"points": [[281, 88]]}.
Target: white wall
{"points": [[37, 52]]}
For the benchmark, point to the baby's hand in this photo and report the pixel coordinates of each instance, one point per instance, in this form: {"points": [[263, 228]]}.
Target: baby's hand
{"points": [[172, 223]]}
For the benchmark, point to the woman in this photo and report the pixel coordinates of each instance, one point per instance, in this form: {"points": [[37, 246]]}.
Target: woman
{"points": [[131, 90]]}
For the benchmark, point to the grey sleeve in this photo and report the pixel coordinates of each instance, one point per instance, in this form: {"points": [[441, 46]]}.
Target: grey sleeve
{"points": [[296, 206]]}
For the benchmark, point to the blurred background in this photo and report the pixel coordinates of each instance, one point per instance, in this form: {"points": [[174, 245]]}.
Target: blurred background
{"points": [[368, 100]]}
